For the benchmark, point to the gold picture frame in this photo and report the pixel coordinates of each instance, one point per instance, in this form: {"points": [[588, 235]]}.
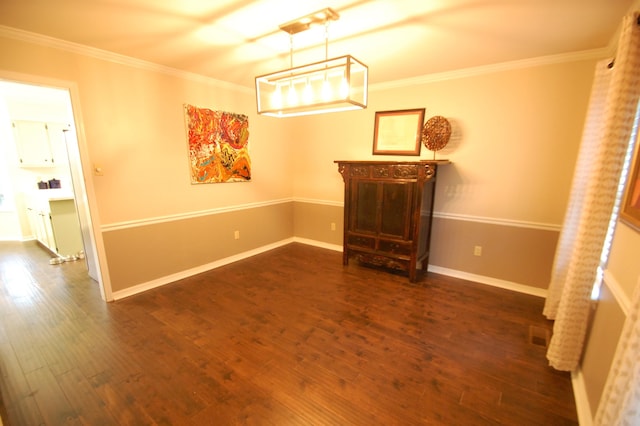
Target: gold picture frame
{"points": [[398, 132], [630, 212]]}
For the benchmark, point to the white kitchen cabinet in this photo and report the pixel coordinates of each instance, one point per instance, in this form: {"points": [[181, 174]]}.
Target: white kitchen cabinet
{"points": [[40, 222], [46, 232], [54, 221], [40, 144], [32, 217], [58, 143], [32, 143]]}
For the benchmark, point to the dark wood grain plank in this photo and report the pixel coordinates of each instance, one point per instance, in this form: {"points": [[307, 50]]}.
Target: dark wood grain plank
{"points": [[290, 336]]}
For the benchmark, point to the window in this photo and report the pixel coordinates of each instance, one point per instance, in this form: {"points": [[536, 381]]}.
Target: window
{"points": [[604, 257]]}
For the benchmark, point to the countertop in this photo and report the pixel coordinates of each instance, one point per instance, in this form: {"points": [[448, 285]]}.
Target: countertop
{"points": [[56, 194], [51, 195]]}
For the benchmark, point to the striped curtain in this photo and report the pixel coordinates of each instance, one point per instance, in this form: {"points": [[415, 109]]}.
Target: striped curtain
{"points": [[596, 183], [591, 137]]}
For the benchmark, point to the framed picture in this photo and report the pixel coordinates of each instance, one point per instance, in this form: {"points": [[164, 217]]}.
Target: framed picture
{"points": [[630, 213], [398, 132]]}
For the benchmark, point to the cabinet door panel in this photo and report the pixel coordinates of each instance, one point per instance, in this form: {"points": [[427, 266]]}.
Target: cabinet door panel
{"points": [[395, 247], [32, 143], [365, 206], [360, 241], [395, 210], [58, 143]]}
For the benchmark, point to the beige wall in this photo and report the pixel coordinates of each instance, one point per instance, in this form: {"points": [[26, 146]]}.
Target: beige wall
{"points": [[520, 255], [146, 252], [621, 280], [313, 221], [516, 132], [132, 126], [623, 258], [513, 149], [514, 254], [516, 137], [600, 346], [622, 277]]}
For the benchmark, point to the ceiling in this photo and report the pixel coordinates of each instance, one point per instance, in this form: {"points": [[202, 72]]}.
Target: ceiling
{"points": [[236, 40]]}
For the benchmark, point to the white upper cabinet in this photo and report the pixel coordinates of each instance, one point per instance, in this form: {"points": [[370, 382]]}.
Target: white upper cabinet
{"points": [[40, 144], [58, 143]]}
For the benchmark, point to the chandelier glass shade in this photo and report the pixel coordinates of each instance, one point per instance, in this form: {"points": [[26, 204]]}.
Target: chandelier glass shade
{"points": [[337, 84]]}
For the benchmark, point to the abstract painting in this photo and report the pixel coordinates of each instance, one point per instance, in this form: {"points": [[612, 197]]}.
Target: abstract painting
{"points": [[218, 145]]}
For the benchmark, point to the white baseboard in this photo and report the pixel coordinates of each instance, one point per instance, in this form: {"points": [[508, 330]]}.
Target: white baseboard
{"points": [[520, 288], [139, 288], [508, 285], [582, 400], [334, 247], [213, 265]]}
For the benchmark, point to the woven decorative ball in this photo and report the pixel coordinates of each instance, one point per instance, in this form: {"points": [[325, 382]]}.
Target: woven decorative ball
{"points": [[436, 133]]}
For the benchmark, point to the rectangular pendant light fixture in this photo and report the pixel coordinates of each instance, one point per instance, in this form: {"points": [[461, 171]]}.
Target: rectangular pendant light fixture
{"points": [[337, 84]]}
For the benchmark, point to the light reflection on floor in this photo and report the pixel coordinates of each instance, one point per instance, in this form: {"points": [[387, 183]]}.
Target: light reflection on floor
{"points": [[18, 282]]}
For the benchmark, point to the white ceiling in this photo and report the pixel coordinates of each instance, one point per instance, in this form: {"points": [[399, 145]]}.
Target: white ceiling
{"points": [[235, 40]]}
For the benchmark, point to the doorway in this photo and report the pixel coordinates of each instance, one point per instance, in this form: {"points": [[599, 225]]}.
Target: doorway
{"points": [[53, 102]]}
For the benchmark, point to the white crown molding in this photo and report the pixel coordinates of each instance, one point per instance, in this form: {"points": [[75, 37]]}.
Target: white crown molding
{"points": [[80, 49], [183, 216], [47, 41], [493, 68]]}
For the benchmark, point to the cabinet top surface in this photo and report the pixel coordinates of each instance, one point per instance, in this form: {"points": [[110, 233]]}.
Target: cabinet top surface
{"points": [[54, 194], [392, 162]]}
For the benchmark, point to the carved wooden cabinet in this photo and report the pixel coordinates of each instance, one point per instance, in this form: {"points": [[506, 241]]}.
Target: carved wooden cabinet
{"points": [[388, 207]]}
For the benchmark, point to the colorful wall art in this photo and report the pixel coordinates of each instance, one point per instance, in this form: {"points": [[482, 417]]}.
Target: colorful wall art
{"points": [[218, 145]]}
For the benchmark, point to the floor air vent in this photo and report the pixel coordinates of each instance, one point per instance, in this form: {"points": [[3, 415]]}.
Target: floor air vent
{"points": [[539, 336]]}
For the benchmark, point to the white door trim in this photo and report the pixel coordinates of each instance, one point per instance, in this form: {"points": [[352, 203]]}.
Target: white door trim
{"points": [[81, 168]]}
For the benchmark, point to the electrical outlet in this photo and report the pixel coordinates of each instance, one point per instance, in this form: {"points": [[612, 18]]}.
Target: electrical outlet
{"points": [[477, 251], [236, 235], [333, 226]]}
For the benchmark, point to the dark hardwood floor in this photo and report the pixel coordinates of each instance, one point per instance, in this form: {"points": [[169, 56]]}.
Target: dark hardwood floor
{"points": [[288, 337]]}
